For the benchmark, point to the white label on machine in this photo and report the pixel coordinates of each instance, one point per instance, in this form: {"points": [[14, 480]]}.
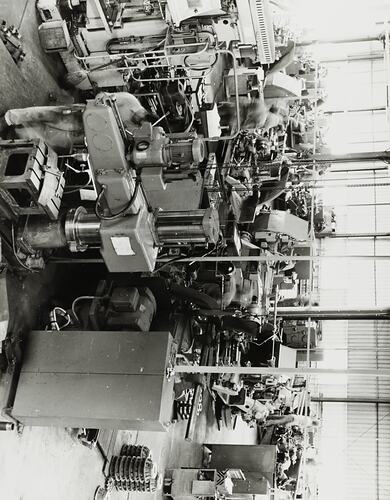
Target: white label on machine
{"points": [[122, 245], [88, 194]]}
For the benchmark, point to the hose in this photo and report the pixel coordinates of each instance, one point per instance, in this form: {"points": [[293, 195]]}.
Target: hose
{"points": [[200, 299], [121, 212]]}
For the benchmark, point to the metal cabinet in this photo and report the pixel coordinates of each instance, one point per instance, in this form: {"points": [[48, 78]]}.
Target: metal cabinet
{"points": [[115, 380]]}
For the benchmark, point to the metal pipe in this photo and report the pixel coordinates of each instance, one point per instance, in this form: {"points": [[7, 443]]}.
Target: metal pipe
{"points": [[60, 260], [349, 157], [369, 169], [355, 399], [352, 235], [363, 110], [339, 40], [333, 314], [372, 57], [277, 258], [255, 370]]}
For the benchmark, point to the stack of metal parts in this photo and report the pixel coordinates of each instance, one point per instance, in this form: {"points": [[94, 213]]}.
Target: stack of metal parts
{"points": [[12, 41], [134, 470], [184, 405]]}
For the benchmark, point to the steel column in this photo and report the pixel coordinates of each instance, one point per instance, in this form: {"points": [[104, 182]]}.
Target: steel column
{"points": [[333, 314]]}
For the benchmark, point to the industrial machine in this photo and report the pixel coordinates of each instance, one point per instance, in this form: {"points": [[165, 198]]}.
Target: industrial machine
{"points": [[129, 168], [105, 44], [156, 189]]}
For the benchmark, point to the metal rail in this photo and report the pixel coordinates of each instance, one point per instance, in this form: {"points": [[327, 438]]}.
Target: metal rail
{"points": [[254, 370]]}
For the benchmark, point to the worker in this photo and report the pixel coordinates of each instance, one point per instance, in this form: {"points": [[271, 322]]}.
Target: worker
{"points": [[254, 114], [61, 127], [291, 420]]}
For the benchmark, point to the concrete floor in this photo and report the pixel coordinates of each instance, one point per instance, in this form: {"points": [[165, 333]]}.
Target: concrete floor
{"points": [[34, 80], [50, 464]]}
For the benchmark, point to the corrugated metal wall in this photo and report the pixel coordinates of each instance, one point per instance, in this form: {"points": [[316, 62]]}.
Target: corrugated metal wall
{"points": [[368, 425], [368, 452], [368, 348], [355, 452], [363, 429]]}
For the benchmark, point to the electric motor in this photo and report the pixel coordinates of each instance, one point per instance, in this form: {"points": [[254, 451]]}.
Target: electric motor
{"points": [[153, 147]]}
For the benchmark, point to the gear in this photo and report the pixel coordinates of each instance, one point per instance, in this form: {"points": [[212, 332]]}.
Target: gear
{"points": [[133, 470]]}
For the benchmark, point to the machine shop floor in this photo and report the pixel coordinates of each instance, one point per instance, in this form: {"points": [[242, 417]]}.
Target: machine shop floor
{"points": [[31, 82], [56, 465]]}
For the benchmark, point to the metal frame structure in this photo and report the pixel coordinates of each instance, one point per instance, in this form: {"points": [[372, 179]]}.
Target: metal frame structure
{"points": [[165, 61]]}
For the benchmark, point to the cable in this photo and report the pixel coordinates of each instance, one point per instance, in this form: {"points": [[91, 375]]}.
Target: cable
{"points": [[121, 212], [76, 190], [175, 259], [86, 171], [64, 314], [207, 253], [262, 343], [53, 319], [188, 128], [189, 350], [16, 255], [74, 303]]}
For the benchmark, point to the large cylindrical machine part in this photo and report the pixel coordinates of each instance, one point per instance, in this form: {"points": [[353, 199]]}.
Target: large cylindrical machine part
{"points": [[191, 227], [79, 231], [40, 233], [82, 229]]}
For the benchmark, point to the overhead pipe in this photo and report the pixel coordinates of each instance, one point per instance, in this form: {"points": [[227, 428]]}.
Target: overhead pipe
{"points": [[345, 158], [353, 235], [259, 370], [325, 41], [355, 399], [319, 313]]}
